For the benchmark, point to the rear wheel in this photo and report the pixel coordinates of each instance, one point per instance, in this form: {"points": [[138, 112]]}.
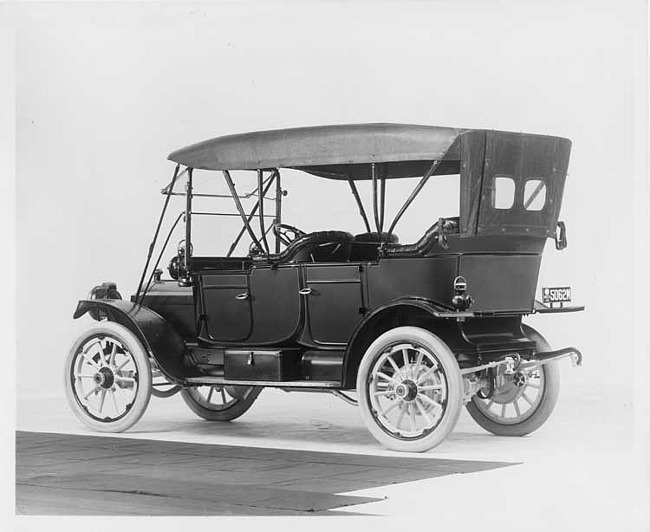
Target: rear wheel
{"points": [[410, 389], [108, 378], [220, 403], [522, 402]]}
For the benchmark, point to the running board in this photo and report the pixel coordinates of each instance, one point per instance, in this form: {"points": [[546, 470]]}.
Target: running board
{"points": [[215, 381]]}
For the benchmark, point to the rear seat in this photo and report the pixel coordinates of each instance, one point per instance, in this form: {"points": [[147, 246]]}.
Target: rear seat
{"points": [[366, 245], [426, 244]]}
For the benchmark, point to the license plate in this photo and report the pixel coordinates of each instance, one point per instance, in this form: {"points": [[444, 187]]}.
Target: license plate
{"points": [[556, 295]]}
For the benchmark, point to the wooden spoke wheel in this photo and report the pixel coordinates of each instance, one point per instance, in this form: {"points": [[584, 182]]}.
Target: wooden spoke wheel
{"points": [[108, 378], [410, 389], [521, 402]]}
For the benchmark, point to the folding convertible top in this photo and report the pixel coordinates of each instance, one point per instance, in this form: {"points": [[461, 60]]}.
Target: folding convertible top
{"points": [[330, 151], [348, 151]]}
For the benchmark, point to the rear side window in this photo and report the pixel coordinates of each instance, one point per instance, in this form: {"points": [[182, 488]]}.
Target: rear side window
{"points": [[503, 192], [534, 195]]}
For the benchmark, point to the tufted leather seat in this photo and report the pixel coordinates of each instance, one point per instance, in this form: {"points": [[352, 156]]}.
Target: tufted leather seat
{"points": [[427, 243], [377, 237], [366, 245], [320, 246]]}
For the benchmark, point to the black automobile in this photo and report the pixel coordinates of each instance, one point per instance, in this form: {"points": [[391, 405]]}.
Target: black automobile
{"points": [[410, 332]]}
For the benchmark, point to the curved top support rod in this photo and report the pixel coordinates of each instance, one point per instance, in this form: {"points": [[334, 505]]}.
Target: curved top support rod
{"points": [[362, 211], [261, 193], [382, 195], [375, 203], [414, 194]]}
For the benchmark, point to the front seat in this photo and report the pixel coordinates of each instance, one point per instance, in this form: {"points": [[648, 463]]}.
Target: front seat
{"points": [[320, 246]]}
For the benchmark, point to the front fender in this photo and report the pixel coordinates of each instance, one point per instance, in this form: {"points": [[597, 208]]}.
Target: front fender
{"points": [[158, 337]]}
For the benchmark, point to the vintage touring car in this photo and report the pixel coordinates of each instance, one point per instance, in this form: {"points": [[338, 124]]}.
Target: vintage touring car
{"points": [[416, 330]]}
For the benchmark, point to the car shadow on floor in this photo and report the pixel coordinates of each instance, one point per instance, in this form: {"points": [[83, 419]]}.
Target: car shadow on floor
{"points": [[65, 474]]}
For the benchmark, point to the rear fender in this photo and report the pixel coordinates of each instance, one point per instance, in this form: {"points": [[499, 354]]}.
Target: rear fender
{"points": [[401, 312], [158, 337]]}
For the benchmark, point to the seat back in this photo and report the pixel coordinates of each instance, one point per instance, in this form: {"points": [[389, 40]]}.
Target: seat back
{"points": [[320, 246], [366, 245], [426, 244]]}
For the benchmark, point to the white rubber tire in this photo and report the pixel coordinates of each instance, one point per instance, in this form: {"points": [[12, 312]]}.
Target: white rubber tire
{"points": [[447, 361], [143, 368]]}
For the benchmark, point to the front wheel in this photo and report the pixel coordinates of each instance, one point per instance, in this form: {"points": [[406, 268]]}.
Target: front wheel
{"points": [[522, 402], [108, 378], [220, 403], [410, 389]]}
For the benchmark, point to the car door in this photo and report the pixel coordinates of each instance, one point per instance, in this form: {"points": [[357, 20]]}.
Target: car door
{"points": [[276, 306], [334, 301], [226, 305]]}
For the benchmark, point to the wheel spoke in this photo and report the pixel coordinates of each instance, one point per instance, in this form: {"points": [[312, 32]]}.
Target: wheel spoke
{"points": [[400, 417], [429, 400], [516, 405], [210, 393], [90, 360], [393, 363], [101, 353], [127, 380], [423, 411], [413, 420], [405, 356], [223, 396], [490, 403], [92, 391], [119, 368], [503, 410], [117, 409], [82, 376], [534, 386], [418, 362], [381, 393], [386, 377], [426, 374], [430, 387], [527, 399], [111, 360], [101, 401], [383, 413]]}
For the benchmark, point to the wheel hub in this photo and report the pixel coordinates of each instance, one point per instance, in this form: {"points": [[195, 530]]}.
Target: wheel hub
{"points": [[104, 378], [406, 390], [519, 379]]}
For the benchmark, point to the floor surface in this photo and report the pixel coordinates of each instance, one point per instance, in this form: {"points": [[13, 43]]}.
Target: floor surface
{"points": [[67, 474], [584, 469]]}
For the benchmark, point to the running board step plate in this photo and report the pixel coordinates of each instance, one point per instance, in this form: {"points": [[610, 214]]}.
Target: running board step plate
{"points": [[214, 381]]}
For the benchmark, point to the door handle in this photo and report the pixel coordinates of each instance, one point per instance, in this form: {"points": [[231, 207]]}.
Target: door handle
{"points": [[305, 291], [242, 297]]}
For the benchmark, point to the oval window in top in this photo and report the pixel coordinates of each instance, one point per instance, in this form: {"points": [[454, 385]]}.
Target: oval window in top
{"points": [[534, 195], [503, 192]]}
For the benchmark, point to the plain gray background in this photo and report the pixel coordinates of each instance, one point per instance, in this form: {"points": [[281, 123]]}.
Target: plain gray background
{"points": [[105, 92]]}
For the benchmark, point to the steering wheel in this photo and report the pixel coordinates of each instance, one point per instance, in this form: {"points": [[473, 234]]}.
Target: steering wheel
{"points": [[287, 233]]}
